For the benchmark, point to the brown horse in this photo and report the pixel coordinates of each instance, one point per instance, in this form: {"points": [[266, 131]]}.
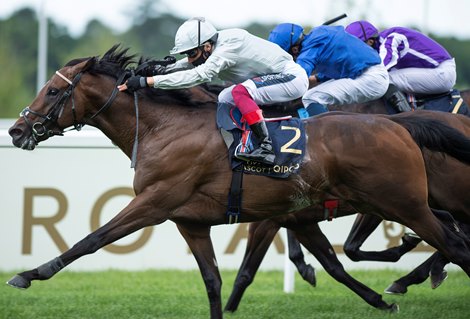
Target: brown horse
{"points": [[182, 171], [448, 185]]}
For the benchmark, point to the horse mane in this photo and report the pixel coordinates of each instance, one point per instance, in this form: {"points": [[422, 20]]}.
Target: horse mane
{"points": [[185, 97], [117, 60]]}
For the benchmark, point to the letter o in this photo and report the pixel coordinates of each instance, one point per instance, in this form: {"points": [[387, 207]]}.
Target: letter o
{"points": [[95, 221]]}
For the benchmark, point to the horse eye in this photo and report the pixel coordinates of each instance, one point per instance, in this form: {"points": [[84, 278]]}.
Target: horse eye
{"points": [[52, 92]]}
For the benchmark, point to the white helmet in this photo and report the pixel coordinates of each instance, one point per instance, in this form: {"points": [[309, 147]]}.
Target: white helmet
{"points": [[192, 34]]}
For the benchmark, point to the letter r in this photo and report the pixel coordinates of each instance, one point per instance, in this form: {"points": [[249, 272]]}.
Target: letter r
{"points": [[48, 222]]}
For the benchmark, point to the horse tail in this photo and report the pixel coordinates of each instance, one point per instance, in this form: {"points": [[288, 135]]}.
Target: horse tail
{"points": [[436, 136]]}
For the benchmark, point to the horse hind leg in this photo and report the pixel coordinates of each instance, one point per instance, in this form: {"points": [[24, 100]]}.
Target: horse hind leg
{"points": [[450, 241], [415, 277], [316, 242]]}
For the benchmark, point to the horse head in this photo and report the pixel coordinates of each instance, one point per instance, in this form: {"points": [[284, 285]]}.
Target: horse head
{"points": [[69, 99]]}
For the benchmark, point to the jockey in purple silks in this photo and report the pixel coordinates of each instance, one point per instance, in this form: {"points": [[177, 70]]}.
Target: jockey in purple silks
{"points": [[416, 63]]}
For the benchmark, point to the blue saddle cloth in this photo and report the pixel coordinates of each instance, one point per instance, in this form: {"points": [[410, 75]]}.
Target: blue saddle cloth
{"points": [[287, 134], [450, 102]]}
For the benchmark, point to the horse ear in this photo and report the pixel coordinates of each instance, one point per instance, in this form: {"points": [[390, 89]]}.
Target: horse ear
{"points": [[90, 63]]}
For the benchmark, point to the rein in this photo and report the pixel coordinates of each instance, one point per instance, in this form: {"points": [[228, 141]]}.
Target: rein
{"points": [[136, 136]]}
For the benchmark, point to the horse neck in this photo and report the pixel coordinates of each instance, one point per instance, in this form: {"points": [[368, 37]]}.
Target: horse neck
{"points": [[162, 122]]}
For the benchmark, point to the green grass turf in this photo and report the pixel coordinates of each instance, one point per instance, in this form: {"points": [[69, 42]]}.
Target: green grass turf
{"points": [[181, 294]]}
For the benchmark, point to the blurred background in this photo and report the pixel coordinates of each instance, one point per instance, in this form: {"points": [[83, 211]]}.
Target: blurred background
{"points": [[40, 36]]}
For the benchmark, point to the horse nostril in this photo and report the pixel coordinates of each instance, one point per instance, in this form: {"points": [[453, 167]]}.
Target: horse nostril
{"points": [[15, 132]]}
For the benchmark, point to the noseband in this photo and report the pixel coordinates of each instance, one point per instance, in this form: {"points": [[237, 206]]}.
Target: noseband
{"points": [[39, 129]]}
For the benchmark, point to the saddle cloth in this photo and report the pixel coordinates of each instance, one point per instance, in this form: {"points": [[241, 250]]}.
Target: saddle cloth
{"points": [[450, 102], [287, 134]]}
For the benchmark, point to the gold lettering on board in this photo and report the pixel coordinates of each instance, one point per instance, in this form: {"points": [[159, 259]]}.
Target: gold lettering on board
{"points": [[47, 222]]}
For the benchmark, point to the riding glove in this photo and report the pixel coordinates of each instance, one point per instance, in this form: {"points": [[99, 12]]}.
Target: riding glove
{"points": [[135, 83]]}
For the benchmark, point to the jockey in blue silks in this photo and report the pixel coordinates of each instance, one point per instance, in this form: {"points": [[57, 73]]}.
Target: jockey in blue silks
{"points": [[341, 68], [416, 63]]}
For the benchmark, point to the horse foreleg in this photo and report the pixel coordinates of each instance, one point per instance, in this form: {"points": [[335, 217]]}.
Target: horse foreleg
{"points": [[363, 226], [316, 242], [437, 272], [198, 239], [297, 257], [449, 239], [260, 237], [132, 218]]}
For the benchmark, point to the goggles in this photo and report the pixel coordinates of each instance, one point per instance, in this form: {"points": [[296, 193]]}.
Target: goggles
{"points": [[191, 53]]}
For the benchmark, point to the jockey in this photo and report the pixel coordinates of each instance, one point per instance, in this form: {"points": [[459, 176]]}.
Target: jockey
{"points": [[416, 63], [347, 70], [261, 71]]}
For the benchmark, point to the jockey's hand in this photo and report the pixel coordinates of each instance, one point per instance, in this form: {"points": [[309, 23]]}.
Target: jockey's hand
{"points": [[134, 83]]}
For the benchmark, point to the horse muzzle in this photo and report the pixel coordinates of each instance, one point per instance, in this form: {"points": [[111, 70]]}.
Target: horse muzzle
{"points": [[21, 140]]}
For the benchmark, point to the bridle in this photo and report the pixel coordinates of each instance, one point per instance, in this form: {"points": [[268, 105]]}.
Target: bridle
{"points": [[39, 129]]}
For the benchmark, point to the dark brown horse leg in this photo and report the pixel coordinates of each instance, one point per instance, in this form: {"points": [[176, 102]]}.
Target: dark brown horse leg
{"points": [[363, 226], [437, 272], [315, 241], [260, 237], [436, 234], [198, 239], [134, 217], [415, 277], [297, 257]]}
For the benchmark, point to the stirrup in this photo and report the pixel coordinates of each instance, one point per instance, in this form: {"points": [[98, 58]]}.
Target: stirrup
{"points": [[257, 155]]}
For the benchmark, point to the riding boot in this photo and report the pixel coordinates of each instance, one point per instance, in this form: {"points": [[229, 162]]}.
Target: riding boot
{"points": [[264, 153], [397, 99]]}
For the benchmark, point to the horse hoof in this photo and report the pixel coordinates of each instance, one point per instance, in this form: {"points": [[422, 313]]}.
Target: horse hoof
{"points": [[411, 239], [394, 308], [19, 282], [437, 280], [395, 289], [309, 276]]}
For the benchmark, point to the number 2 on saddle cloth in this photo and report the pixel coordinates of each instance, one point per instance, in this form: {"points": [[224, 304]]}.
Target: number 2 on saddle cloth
{"points": [[287, 134]]}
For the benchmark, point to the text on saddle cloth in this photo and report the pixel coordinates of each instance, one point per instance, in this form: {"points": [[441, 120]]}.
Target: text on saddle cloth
{"points": [[288, 138]]}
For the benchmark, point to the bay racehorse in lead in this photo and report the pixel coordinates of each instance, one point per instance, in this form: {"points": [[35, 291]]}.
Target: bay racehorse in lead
{"points": [[182, 170], [448, 186]]}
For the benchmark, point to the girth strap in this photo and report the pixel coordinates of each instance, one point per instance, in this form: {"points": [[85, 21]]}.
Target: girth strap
{"points": [[235, 196]]}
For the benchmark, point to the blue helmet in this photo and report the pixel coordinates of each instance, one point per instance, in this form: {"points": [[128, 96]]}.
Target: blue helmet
{"points": [[286, 35]]}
